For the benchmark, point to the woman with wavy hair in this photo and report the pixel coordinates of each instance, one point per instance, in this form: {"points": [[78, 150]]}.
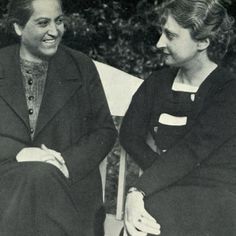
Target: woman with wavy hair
{"points": [[181, 129]]}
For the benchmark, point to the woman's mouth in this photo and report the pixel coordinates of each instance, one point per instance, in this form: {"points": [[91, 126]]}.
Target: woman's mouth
{"points": [[165, 53], [50, 42]]}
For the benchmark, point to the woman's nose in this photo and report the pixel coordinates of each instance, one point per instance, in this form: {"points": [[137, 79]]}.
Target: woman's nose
{"points": [[53, 29], [161, 42]]}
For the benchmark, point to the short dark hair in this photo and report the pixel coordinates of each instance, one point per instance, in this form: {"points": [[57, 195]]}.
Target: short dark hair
{"points": [[19, 11], [205, 19]]}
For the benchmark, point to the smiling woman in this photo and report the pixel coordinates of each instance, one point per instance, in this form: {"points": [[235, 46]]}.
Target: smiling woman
{"points": [[55, 129], [42, 33]]}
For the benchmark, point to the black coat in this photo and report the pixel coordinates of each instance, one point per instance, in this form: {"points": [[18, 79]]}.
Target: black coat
{"points": [[197, 167], [74, 119]]}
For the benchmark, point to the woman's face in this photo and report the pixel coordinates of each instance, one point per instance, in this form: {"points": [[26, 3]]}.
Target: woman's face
{"points": [[177, 44], [42, 33]]}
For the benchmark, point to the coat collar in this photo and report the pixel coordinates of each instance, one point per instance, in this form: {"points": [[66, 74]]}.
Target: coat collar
{"points": [[62, 81], [214, 81], [11, 85]]}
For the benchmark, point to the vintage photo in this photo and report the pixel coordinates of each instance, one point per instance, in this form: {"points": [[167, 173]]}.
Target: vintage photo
{"points": [[117, 118]]}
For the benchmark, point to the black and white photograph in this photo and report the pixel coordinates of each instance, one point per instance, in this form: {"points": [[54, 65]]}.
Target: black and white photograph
{"points": [[117, 118]]}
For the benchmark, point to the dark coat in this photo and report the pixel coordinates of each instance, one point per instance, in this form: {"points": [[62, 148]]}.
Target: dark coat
{"points": [[198, 166], [74, 119]]}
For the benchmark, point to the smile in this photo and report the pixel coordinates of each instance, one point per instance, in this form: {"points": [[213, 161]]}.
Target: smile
{"points": [[50, 41]]}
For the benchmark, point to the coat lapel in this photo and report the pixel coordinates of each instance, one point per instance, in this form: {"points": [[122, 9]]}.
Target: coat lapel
{"points": [[63, 81], [11, 85], [213, 82]]}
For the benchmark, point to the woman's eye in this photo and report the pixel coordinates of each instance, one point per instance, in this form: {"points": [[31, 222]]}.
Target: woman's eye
{"points": [[60, 21], [170, 36], [43, 23]]}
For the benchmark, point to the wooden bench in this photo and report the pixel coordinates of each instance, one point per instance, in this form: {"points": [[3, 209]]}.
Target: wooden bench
{"points": [[119, 88]]}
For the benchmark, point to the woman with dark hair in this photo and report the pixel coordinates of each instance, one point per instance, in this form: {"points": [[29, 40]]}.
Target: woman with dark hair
{"points": [[55, 129], [181, 129]]}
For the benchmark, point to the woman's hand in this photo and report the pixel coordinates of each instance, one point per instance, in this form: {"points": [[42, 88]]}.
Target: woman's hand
{"points": [[43, 154], [33, 154], [58, 160], [61, 167], [138, 222]]}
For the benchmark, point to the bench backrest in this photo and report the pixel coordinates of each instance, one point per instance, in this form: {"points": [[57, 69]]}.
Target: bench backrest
{"points": [[119, 88]]}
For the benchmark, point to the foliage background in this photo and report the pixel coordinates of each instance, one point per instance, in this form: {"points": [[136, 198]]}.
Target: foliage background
{"points": [[122, 34]]}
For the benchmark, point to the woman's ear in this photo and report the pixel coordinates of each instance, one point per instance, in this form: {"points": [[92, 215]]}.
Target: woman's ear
{"points": [[203, 44], [18, 29]]}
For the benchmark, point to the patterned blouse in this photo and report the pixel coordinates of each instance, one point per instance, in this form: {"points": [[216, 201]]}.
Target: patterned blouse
{"points": [[34, 79]]}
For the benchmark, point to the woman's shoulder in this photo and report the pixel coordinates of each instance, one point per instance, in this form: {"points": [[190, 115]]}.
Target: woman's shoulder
{"points": [[8, 50], [75, 57], [70, 52], [163, 73], [223, 78], [161, 77], [158, 83], [224, 72], [220, 86]]}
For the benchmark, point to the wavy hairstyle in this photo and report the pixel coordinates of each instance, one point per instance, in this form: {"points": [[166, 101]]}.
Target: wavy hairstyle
{"points": [[205, 19]]}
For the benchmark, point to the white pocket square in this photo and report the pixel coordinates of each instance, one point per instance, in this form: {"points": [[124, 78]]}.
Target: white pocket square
{"points": [[167, 119]]}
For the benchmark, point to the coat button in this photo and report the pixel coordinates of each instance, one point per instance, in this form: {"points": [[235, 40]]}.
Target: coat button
{"points": [[31, 98], [155, 129], [29, 72], [31, 111], [192, 97], [31, 130], [30, 82]]}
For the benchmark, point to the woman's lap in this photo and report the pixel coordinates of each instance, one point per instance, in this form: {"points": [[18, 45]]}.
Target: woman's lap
{"points": [[194, 211], [35, 200]]}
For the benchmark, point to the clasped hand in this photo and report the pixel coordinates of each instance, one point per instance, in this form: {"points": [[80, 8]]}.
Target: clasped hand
{"points": [[43, 154], [138, 222]]}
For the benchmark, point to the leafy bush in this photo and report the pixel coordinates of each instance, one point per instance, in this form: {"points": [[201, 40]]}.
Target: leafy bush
{"points": [[108, 35], [122, 35]]}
